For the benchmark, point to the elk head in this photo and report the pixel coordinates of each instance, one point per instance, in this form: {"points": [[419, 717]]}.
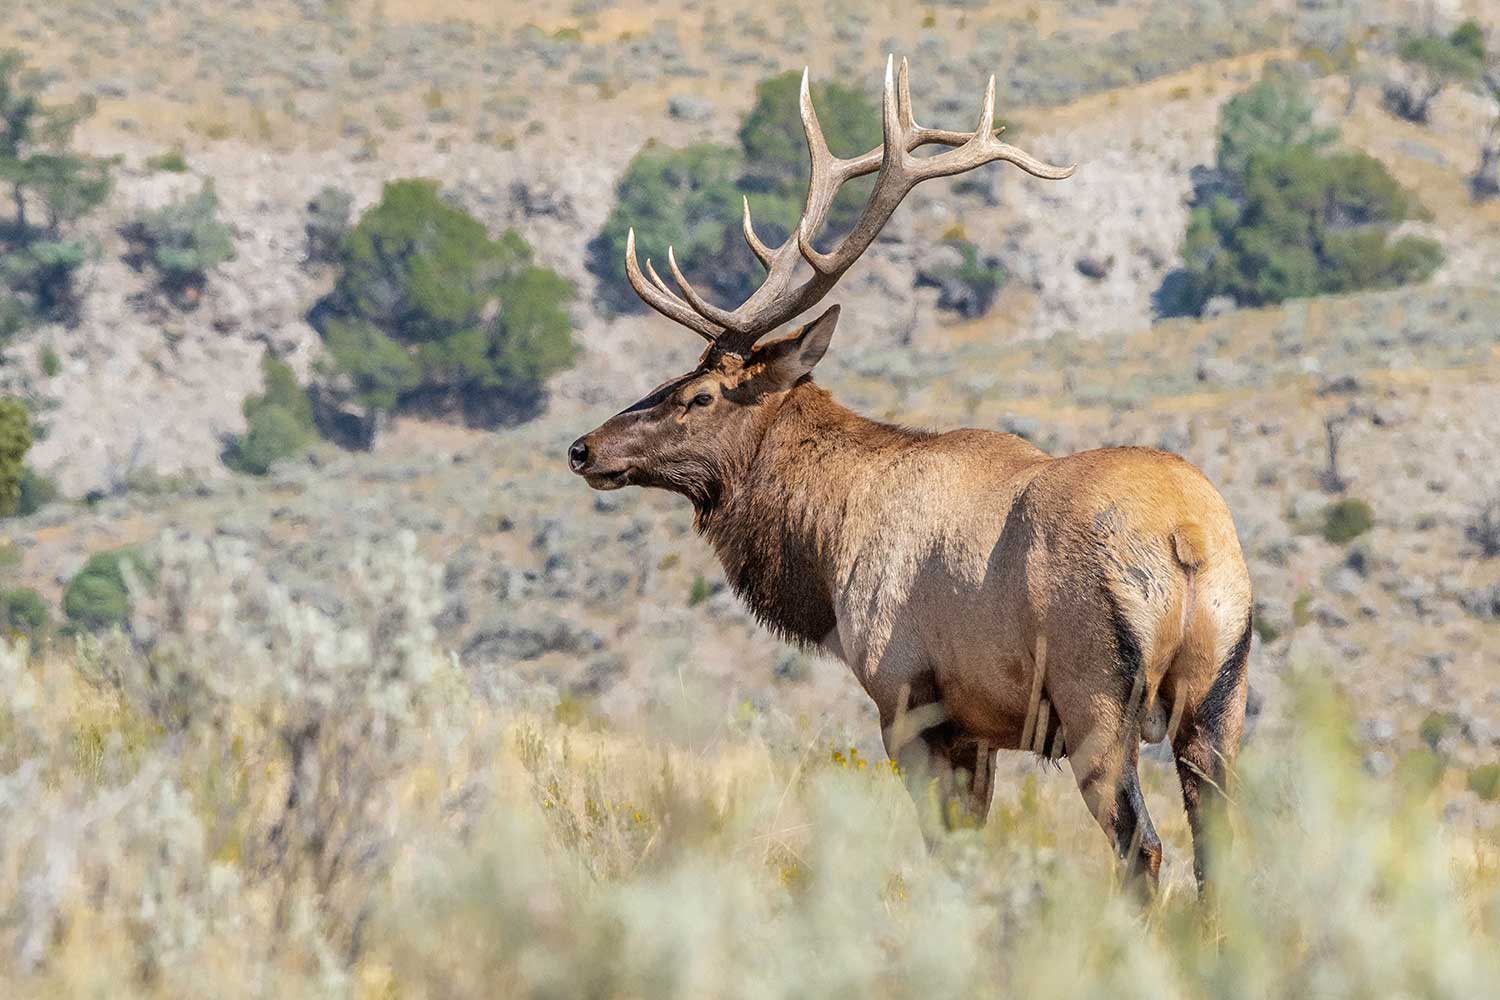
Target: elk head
{"points": [[695, 431]]}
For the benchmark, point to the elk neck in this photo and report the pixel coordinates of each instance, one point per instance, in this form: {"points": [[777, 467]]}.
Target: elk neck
{"points": [[780, 519]]}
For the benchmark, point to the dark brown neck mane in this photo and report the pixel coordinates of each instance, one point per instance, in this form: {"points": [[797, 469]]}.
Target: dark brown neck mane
{"points": [[779, 523]]}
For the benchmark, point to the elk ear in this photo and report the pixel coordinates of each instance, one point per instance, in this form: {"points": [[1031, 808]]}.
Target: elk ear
{"points": [[793, 356]]}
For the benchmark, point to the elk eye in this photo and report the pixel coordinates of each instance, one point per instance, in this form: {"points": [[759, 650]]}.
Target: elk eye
{"points": [[702, 399]]}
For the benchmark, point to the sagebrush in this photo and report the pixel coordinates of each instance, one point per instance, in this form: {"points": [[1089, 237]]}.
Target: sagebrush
{"points": [[249, 797]]}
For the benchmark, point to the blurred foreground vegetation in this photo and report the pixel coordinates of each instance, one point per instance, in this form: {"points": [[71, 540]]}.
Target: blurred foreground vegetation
{"points": [[243, 795]]}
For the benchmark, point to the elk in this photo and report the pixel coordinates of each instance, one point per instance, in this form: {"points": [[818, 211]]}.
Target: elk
{"points": [[986, 595]]}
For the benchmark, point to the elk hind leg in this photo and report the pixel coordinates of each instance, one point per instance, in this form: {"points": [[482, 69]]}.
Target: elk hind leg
{"points": [[1105, 765], [1205, 745]]}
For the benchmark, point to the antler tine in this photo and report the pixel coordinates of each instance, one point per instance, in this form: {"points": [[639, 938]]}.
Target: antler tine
{"points": [[659, 283], [660, 299], [700, 305], [828, 172], [775, 302], [817, 146], [896, 178], [903, 96], [985, 131], [893, 145], [761, 251], [983, 147], [1030, 164]]}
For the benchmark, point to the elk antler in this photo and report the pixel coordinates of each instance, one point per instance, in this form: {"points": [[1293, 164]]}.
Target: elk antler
{"points": [[774, 302]]}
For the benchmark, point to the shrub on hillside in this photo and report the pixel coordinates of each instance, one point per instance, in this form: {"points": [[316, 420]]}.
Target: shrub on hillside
{"points": [[37, 491], [278, 422], [1486, 180], [967, 283], [1283, 217], [23, 490], [1484, 529], [41, 272], [98, 596], [327, 224], [1346, 520], [431, 312], [51, 188], [1432, 63], [182, 241], [15, 442], [1276, 113], [251, 784], [24, 612], [1308, 224]]}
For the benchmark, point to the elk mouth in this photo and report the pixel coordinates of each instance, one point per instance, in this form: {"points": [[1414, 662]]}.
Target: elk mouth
{"points": [[607, 480]]}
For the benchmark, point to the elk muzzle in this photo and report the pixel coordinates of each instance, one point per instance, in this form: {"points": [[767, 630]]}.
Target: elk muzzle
{"points": [[584, 458]]}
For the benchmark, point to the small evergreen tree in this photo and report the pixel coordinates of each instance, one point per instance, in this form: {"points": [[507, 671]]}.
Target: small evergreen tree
{"points": [[967, 283], [431, 310], [327, 224], [24, 612], [51, 188], [37, 491], [1283, 216], [1275, 113]]}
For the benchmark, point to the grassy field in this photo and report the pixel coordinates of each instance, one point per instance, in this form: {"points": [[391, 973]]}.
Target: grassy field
{"points": [[241, 798]]}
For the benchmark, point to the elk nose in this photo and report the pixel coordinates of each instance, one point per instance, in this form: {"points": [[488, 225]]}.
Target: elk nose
{"points": [[578, 455]]}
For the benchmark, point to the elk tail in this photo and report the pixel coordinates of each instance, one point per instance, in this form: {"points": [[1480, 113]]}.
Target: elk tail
{"points": [[1190, 548]]}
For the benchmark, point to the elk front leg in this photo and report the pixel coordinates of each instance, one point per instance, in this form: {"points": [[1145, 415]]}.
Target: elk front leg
{"points": [[928, 776], [950, 777]]}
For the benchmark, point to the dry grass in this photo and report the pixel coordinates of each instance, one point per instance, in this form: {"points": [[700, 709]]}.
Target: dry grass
{"points": [[247, 799]]}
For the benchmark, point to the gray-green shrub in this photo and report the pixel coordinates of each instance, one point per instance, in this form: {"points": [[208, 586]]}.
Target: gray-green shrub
{"points": [[15, 442], [1345, 520], [1434, 63], [278, 421], [98, 596], [182, 242], [24, 612], [327, 224]]}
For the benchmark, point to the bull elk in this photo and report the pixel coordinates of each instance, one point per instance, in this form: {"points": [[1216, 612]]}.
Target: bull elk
{"points": [[985, 594]]}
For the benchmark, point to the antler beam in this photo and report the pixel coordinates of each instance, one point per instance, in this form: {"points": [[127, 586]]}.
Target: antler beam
{"points": [[773, 303]]}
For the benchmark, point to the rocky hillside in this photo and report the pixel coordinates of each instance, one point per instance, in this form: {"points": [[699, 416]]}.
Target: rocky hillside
{"points": [[274, 102]]}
